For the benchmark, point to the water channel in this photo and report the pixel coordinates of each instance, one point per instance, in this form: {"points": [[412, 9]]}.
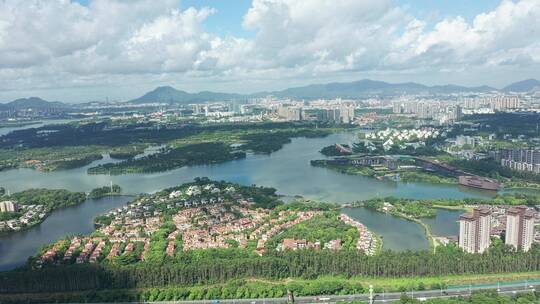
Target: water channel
{"points": [[288, 170]]}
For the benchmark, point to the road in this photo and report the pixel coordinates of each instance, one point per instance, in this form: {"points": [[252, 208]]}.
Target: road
{"points": [[507, 288]]}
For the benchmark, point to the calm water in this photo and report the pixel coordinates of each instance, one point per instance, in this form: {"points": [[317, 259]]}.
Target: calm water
{"points": [[17, 247], [445, 223], [397, 234], [287, 170], [6, 130]]}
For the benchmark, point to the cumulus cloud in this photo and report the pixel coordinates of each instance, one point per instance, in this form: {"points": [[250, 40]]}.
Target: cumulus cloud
{"points": [[325, 34], [58, 43], [508, 31]]}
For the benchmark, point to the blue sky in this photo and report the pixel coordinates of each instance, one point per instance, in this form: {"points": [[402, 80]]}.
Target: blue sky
{"points": [[228, 18], [448, 8], [122, 48]]}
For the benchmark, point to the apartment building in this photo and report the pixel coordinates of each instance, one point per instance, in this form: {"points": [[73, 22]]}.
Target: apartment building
{"points": [[519, 227], [475, 230]]}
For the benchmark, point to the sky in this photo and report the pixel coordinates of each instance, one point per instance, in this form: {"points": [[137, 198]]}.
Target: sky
{"points": [[86, 50]]}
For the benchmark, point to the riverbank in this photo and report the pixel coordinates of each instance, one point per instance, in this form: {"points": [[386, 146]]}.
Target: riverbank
{"points": [[427, 229], [18, 124], [112, 190], [185, 144], [405, 176], [15, 248], [411, 210], [33, 206]]}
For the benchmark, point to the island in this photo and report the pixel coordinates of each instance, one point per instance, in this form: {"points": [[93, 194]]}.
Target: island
{"points": [[28, 208], [105, 191], [214, 239], [79, 144]]}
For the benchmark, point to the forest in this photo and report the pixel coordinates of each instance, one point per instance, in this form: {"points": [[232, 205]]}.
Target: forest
{"points": [[322, 228], [333, 151], [270, 142], [67, 146], [507, 123], [426, 208], [107, 133], [407, 207], [307, 264], [50, 198], [195, 154], [105, 191]]}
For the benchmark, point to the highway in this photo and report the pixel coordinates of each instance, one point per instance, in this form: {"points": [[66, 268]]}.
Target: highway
{"points": [[506, 288]]}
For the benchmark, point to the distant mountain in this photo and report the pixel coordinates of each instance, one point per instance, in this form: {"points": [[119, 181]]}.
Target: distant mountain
{"points": [[528, 85], [168, 94], [368, 87], [35, 103], [355, 89]]}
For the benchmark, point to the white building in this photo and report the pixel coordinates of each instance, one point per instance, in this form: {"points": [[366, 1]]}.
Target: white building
{"points": [[520, 227], [475, 230], [467, 233], [290, 113], [346, 114], [8, 206]]}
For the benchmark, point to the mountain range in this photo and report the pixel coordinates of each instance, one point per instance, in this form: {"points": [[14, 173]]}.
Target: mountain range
{"points": [[35, 103], [168, 94], [355, 89], [528, 85]]}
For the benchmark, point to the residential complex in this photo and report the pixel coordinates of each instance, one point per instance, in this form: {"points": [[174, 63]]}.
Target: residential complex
{"points": [[339, 113], [427, 109], [290, 113], [513, 224], [527, 160], [475, 230], [208, 216], [520, 227], [8, 206], [493, 103]]}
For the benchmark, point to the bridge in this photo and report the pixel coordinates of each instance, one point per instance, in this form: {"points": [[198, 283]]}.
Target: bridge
{"points": [[343, 149]]}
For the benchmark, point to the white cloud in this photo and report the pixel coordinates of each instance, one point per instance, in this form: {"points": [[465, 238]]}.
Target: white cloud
{"points": [[59, 43], [323, 33], [509, 29]]}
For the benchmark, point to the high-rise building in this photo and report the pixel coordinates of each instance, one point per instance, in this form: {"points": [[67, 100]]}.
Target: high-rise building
{"points": [[501, 103], [475, 230], [329, 115], [397, 107], [519, 159], [346, 114], [8, 206], [290, 113], [520, 227], [467, 233]]}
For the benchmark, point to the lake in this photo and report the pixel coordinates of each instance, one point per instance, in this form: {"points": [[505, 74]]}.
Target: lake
{"points": [[17, 247], [397, 234], [445, 222], [288, 170]]}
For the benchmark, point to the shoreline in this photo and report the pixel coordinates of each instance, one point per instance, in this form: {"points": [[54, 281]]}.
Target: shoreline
{"points": [[26, 228]]}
